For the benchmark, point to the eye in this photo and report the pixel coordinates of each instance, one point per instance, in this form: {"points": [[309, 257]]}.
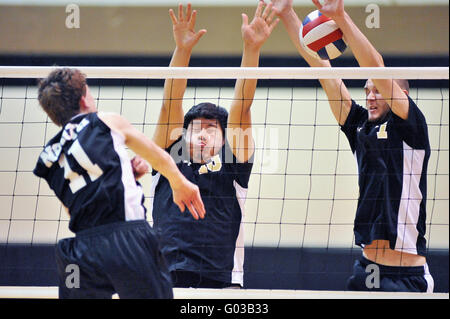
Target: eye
{"points": [[211, 130]]}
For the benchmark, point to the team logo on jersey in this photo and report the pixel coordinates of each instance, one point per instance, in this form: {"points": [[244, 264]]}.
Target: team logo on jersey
{"points": [[382, 133], [214, 165]]}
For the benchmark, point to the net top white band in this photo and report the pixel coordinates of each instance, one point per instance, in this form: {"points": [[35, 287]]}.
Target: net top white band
{"points": [[409, 73]]}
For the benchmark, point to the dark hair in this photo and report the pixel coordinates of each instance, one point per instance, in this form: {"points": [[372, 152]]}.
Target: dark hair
{"points": [[60, 92], [208, 111]]}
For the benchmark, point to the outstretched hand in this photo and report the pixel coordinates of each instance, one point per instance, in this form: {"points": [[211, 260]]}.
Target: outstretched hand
{"points": [[281, 6], [259, 29], [331, 8], [184, 27]]}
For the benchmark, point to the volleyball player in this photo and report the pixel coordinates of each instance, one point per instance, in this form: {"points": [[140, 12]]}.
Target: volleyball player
{"points": [[214, 150], [86, 165], [390, 141]]}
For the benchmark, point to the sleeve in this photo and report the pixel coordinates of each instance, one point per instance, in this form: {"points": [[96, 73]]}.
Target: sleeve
{"points": [[240, 171], [356, 117], [48, 157], [41, 170], [413, 130]]}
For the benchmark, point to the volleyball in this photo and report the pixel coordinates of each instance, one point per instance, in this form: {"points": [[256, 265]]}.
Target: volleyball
{"points": [[321, 37]]}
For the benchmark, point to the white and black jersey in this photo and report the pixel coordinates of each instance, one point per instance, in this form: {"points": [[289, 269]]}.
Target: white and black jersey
{"points": [[212, 247], [87, 166], [392, 157]]}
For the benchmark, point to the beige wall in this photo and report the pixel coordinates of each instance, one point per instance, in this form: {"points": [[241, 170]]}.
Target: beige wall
{"points": [[147, 30]]}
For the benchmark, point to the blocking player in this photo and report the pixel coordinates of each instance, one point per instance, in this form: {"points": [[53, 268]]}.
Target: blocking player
{"points": [[390, 140], [213, 149], [87, 166]]}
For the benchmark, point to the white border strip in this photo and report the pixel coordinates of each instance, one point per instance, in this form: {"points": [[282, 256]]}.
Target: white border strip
{"points": [[191, 293], [425, 73], [209, 3]]}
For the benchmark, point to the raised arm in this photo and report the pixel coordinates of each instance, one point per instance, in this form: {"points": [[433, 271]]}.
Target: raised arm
{"points": [[366, 55], [336, 91], [185, 194], [239, 126], [170, 122]]}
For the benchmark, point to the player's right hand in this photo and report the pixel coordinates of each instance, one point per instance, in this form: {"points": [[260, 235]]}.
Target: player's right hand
{"points": [[187, 194], [184, 28], [282, 6]]}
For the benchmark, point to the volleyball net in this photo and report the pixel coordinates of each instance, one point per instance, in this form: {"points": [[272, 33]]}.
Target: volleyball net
{"points": [[303, 190]]}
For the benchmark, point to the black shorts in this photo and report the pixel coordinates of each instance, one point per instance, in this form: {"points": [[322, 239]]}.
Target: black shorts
{"points": [[189, 279], [122, 258], [370, 276]]}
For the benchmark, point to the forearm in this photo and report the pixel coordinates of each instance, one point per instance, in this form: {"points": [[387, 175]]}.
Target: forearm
{"points": [[244, 90], [292, 24], [174, 88], [164, 163], [363, 50], [337, 93], [159, 159]]}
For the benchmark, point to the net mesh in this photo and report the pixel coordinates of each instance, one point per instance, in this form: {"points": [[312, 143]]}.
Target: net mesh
{"points": [[303, 189]]}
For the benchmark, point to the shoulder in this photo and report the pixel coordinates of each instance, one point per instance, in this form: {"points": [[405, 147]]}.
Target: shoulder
{"points": [[113, 121], [414, 129], [415, 116], [356, 116]]}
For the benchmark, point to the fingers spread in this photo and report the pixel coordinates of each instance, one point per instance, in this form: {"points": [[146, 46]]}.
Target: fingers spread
{"points": [[192, 19], [244, 19], [271, 16], [200, 34], [172, 16], [259, 9], [274, 24], [188, 12], [267, 11], [180, 12]]}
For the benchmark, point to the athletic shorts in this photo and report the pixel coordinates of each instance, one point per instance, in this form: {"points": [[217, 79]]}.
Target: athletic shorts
{"points": [[122, 258], [189, 279], [370, 276]]}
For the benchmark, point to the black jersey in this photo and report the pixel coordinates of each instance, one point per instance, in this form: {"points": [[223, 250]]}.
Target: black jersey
{"points": [[212, 247], [87, 166], [392, 157]]}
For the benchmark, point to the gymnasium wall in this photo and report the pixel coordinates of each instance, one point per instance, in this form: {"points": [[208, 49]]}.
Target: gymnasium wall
{"points": [[106, 30]]}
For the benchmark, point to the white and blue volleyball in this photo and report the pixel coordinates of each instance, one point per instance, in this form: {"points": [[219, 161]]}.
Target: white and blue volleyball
{"points": [[321, 37]]}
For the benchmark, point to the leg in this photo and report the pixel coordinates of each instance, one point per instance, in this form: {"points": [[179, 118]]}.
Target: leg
{"points": [[78, 279], [357, 281], [136, 268]]}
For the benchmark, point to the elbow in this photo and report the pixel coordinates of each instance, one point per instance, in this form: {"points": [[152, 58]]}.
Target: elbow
{"points": [[379, 62]]}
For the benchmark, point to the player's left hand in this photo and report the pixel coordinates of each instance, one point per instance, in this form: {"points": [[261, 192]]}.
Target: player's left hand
{"points": [[187, 194], [140, 166], [259, 29], [184, 32]]}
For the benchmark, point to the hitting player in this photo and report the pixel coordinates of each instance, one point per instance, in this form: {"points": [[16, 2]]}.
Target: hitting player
{"points": [[87, 166]]}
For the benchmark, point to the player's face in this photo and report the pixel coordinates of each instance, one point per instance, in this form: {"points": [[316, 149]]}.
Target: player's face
{"points": [[375, 103], [205, 139]]}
